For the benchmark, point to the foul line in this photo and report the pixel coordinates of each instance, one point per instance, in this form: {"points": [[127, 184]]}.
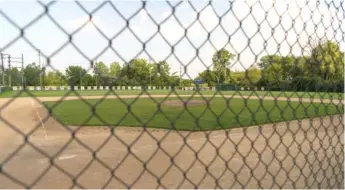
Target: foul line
{"points": [[65, 157], [39, 117]]}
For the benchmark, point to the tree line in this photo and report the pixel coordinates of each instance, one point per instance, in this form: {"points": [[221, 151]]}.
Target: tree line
{"points": [[138, 72], [320, 69]]}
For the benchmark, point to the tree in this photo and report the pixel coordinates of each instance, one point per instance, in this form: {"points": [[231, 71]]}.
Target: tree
{"points": [[267, 60], [16, 76], [137, 72], [221, 60], [236, 77], [327, 61], [272, 69], [32, 74], [300, 67], [101, 71], [89, 80], [252, 76], [160, 74], [187, 82], [74, 74], [115, 69], [208, 77], [55, 79]]}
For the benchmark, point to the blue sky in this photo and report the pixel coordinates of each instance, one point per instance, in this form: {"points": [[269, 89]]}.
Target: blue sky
{"points": [[47, 37]]}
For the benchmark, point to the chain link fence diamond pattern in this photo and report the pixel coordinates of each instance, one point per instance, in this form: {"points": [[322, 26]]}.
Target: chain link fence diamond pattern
{"points": [[268, 114]]}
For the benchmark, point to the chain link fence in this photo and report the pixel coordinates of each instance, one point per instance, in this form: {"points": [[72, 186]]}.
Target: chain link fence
{"points": [[264, 109]]}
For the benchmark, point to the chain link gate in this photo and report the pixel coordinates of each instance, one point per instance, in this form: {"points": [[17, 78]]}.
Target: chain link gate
{"points": [[281, 128]]}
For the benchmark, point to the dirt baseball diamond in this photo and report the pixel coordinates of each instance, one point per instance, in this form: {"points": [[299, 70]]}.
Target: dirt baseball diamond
{"points": [[295, 154]]}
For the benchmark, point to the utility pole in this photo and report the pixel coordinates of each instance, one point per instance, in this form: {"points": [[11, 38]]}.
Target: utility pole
{"points": [[150, 70], [180, 76], [9, 69], [96, 73], [81, 80], [22, 72], [150, 76], [39, 62], [3, 69]]}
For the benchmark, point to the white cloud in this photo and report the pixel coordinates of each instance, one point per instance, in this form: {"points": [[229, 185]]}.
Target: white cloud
{"points": [[143, 15], [185, 5], [166, 14], [76, 23]]}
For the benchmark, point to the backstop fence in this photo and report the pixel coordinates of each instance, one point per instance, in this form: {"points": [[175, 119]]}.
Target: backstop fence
{"points": [[226, 137]]}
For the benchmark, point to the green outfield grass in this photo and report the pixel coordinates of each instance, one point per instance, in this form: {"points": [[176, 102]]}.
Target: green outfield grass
{"points": [[230, 113], [180, 92]]}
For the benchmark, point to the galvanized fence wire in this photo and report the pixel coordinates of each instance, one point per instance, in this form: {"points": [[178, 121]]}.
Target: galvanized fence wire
{"points": [[327, 175]]}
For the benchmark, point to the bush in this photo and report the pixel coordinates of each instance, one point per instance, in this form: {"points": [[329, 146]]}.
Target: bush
{"points": [[305, 84], [6, 89], [227, 87]]}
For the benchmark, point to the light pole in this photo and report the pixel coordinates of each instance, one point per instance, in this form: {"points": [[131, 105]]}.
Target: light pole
{"points": [[39, 63], [9, 69], [22, 71], [3, 69], [150, 69], [180, 77], [81, 80], [150, 75]]}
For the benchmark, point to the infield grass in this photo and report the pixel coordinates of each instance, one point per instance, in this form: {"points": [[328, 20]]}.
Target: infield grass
{"points": [[222, 113]]}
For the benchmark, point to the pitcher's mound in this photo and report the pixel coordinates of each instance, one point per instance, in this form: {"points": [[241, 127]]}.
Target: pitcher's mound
{"points": [[179, 103]]}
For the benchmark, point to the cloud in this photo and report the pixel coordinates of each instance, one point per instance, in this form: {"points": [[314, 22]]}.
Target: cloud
{"points": [[166, 14], [76, 23], [185, 5], [143, 15]]}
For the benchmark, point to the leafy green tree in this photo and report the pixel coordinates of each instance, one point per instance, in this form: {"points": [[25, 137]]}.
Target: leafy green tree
{"points": [[101, 71], [32, 74], [88, 80], [208, 77], [123, 81], [160, 74], [115, 69], [221, 61], [236, 77], [74, 74], [267, 60], [327, 61], [187, 82], [137, 72], [272, 69], [300, 67], [16, 76], [252, 76], [54, 79]]}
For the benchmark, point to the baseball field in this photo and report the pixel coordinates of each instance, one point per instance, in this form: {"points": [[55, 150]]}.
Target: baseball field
{"points": [[185, 113], [161, 139]]}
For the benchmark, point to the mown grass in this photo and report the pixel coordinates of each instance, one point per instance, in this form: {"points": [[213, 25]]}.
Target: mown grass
{"points": [[221, 113], [164, 92]]}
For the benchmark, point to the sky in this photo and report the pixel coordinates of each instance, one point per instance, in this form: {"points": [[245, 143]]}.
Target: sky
{"points": [[249, 29]]}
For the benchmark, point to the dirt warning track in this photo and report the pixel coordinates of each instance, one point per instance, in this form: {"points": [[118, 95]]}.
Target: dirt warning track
{"points": [[297, 154]]}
